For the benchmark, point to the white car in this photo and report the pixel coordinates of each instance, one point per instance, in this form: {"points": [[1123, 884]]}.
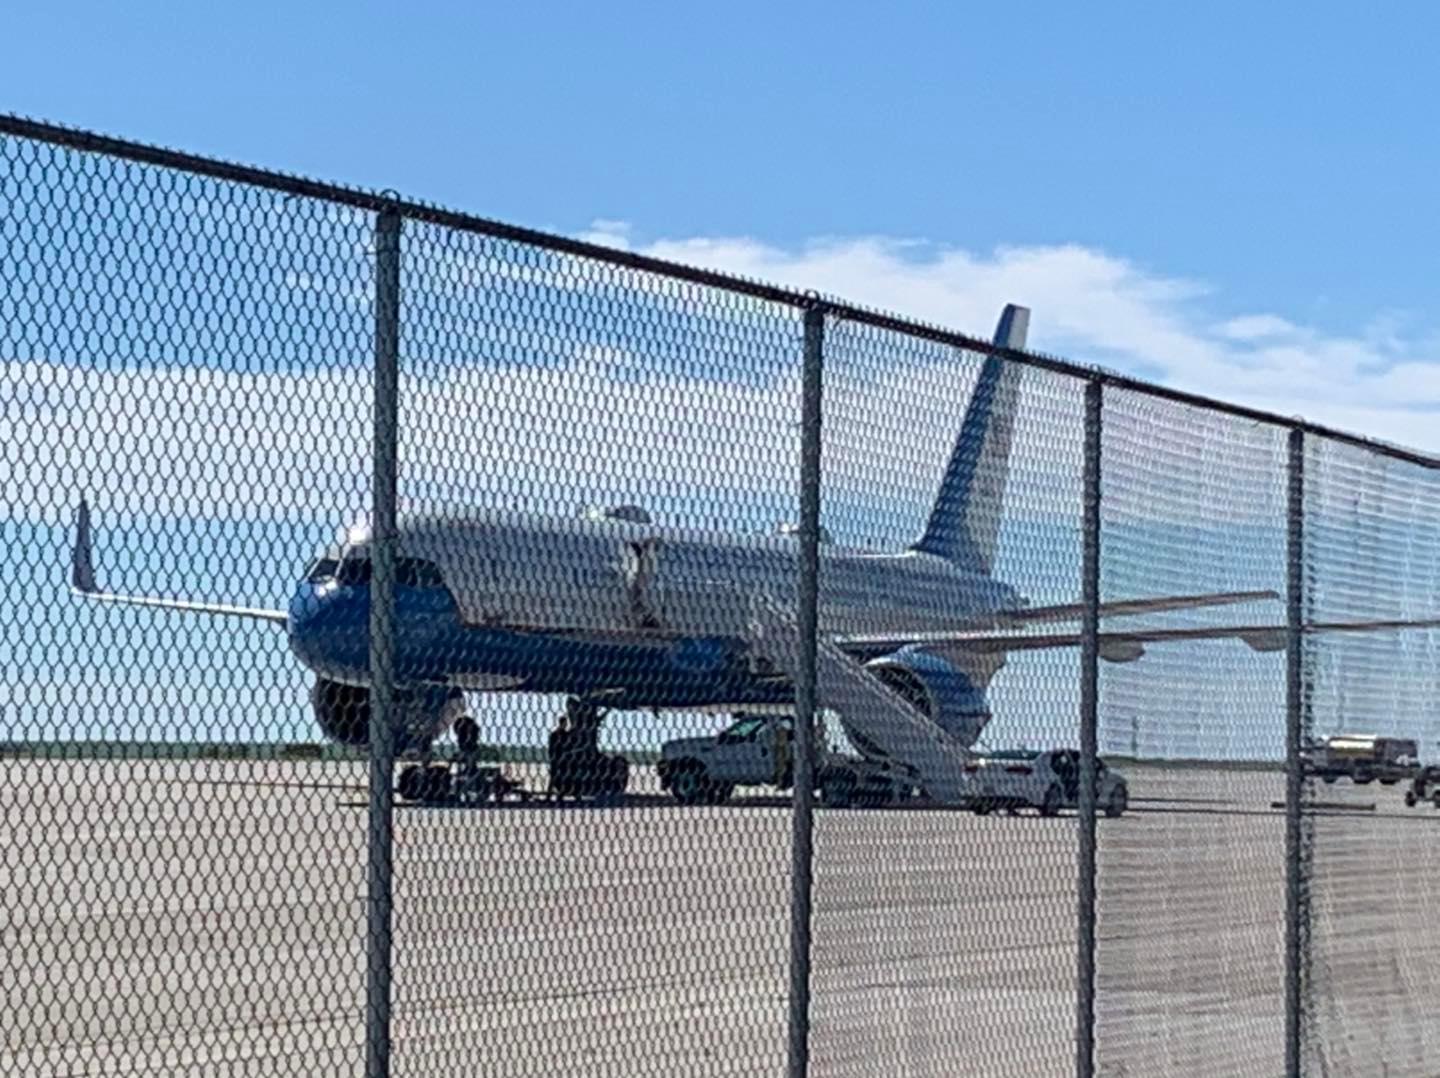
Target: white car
{"points": [[1048, 781]]}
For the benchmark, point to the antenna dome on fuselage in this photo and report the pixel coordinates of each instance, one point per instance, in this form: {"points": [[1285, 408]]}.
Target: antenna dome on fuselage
{"points": [[791, 529], [633, 513]]}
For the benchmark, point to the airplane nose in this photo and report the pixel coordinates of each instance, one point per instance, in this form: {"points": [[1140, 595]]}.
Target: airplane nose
{"points": [[325, 625], [305, 608], [304, 613]]}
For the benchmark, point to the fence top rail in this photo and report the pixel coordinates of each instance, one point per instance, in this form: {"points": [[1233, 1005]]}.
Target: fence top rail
{"points": [[379, 202]]}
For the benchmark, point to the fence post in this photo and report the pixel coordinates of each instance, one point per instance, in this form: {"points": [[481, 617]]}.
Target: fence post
{"points": [[382, 644], [1295, 911], [1089, 705], [802, 812]]}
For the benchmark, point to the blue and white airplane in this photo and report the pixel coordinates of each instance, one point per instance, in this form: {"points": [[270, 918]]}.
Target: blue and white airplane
{"points": [[622, 613]]}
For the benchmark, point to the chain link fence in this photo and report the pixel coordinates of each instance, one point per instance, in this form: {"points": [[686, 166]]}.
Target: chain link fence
{"points": [[434, 646]]}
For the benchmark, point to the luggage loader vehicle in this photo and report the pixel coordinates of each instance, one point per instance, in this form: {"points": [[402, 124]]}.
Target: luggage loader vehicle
{"points": [[1363, 758]]}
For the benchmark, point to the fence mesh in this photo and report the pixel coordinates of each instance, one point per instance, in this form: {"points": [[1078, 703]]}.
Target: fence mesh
{"points": [[1191, 883], [189, 360], [595, 649], [587, 448], [1372, 553], [940, 936]]}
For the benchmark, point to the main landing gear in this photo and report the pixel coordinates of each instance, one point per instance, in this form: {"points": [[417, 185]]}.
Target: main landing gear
{"points": [[577, 766], [578, 769]]}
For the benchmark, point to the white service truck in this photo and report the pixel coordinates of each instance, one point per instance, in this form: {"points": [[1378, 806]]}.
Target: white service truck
{"points": [[758, 750]]}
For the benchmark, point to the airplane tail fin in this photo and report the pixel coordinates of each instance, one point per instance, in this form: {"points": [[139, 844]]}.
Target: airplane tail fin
{"points": [[965, 520]]}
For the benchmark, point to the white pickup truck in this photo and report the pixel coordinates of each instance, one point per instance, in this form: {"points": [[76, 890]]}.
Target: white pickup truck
{"points": [[757, 750]]}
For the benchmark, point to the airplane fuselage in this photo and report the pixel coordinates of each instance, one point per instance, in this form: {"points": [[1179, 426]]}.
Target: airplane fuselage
{"points": [[642, 615]]}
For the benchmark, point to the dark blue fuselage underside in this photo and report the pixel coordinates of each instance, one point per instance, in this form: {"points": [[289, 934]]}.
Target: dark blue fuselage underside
{"points": [[329, 628]]}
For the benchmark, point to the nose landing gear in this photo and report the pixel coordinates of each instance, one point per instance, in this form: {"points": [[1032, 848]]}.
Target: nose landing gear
{"points": [[578, 769], [467, 782]]}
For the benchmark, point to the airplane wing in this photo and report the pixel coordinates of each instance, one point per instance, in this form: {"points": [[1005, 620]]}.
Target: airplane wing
{"points": [[1118, 646], [82, 582], [1040, 614], [278, 617]]}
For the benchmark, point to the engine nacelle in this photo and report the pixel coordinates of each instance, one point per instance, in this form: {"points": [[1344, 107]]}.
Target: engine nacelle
{"points": [[941, 691], [422, 715]]}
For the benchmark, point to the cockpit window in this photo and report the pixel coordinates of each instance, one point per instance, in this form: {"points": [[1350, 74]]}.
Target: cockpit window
{"points": [[323, 569], [409, 573], [354, 572], [418, 573]]}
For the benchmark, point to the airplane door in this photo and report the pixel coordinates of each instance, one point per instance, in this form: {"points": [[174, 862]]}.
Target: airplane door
{"points": [[639, 560]]}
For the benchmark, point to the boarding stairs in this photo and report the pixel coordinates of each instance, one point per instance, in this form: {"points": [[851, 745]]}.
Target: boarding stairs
{"points": [[864, 705]]}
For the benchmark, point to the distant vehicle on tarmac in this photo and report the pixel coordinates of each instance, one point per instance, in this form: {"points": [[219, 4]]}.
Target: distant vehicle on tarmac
{"points": [[1362, 758], [1425, 786], [1047, 781], [757, 750]]}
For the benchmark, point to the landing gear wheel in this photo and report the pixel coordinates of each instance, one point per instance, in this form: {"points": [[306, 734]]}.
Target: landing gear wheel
{"points": [[436, 783], [1409, 799], [1054, 798], [689, 784], [412, 782], [718, 793]]}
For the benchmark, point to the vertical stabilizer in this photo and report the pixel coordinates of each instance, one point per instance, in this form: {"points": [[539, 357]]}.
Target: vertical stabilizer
{"points": [[965, 520]]}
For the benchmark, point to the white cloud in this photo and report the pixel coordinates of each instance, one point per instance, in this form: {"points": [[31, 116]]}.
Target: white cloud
{"points": [[607, 232], [1254, 327], [626, 420], [1383, 380]]}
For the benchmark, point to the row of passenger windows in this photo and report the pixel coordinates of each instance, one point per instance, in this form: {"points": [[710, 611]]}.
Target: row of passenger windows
{"points": [[354, 572]]}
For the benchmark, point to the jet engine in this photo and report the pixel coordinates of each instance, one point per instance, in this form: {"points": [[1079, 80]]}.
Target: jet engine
{"points": [[422, 715], [949, 696]]}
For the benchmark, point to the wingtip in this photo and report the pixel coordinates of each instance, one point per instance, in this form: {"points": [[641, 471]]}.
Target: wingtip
{"points": [[82, 561]]}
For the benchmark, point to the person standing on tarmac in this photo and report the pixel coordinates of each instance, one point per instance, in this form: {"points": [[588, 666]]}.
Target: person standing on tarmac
{"points": [[577, 766], [782, 754]]}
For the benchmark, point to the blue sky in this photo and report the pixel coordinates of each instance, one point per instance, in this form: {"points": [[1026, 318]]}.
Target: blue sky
{"points": [[1279, 155], [1228, 200]]}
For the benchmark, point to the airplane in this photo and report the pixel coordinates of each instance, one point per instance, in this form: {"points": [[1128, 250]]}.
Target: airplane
{"points": [[615, 611]]}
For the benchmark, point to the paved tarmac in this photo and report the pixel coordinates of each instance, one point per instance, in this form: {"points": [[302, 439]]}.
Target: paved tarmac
{"points": [[208, 918]]}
